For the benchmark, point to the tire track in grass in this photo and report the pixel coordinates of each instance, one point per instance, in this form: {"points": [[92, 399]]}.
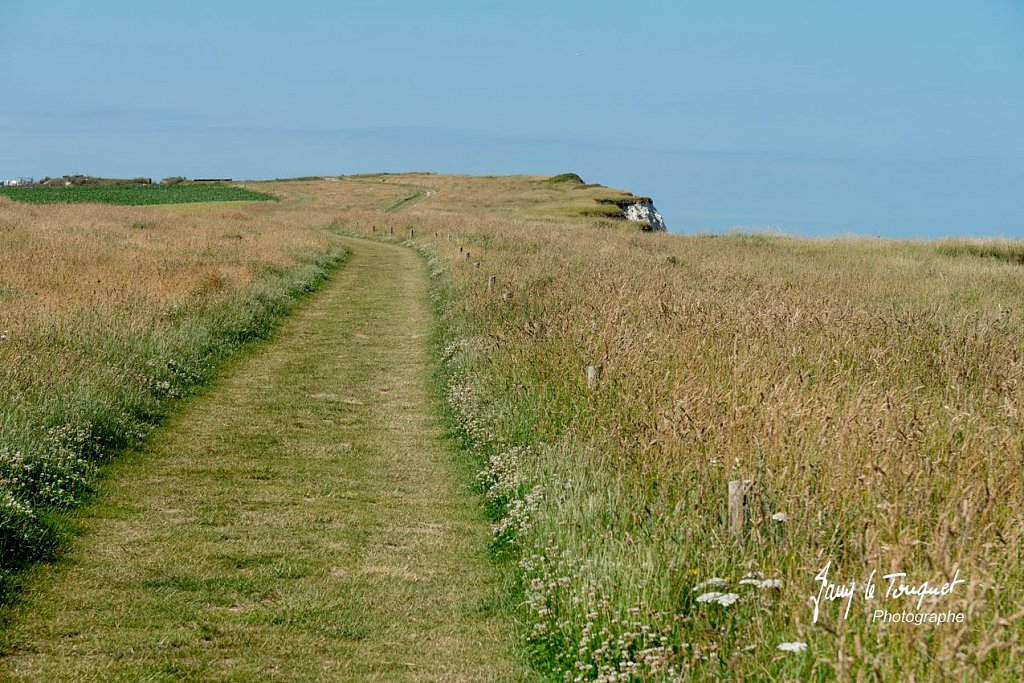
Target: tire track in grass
{"points": [[302, 519]]}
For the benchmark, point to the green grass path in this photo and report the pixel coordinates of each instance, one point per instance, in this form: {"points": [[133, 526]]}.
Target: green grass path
{"points": [[302, 519]]}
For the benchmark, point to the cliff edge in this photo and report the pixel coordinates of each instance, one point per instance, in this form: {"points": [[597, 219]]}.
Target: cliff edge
{"points": [[642, 210]]}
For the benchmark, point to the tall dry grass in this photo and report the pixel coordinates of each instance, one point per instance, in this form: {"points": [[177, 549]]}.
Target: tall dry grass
{"points": [[107, 313], [871, 389]]}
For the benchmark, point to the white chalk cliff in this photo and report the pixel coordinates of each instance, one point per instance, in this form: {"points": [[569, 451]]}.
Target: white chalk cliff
{"points": [[642, 210]]}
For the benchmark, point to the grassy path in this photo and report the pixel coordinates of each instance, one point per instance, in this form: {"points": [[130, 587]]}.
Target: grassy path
{"points": [[300, 520], [417, 194]]}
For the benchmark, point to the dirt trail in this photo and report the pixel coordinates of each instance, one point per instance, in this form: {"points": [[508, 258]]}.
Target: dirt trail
{"points": [[302, 519]]}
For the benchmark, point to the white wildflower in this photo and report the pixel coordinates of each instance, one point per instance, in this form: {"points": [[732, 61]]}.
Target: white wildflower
{"points": [[723, 599], [727, 599], [762, 583], [780, 517], [793, 647], [713, 581]]}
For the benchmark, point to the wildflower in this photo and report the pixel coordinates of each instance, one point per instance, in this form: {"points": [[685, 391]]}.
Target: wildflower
{"points": [[727, 599], [780, 517], [723, 599], [762, 583], [713, 581], [793, 647]]}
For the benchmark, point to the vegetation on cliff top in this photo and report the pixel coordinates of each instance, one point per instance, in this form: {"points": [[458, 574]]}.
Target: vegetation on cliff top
{"points": [[870, 389]]}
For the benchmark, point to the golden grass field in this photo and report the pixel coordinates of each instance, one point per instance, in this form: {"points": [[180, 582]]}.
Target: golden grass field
{"points": [[873, 391]]}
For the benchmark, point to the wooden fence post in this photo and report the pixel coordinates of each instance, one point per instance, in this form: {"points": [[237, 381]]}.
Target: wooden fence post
{"points": [[739, 492], [465, 255], [594, 376], [412, 233], [490, 282]]}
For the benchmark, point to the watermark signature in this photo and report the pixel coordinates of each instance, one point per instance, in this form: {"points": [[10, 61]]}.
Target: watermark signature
{"points": [[899, 591]]}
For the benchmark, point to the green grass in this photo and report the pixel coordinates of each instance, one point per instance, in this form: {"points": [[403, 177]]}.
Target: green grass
{"points": [[55, 435], [403, 202], [565, 178], [1011, 252], [302, 520], [133, 195]]}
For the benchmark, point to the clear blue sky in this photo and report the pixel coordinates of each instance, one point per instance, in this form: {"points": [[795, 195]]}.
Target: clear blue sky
{"points": [[904, 119]]}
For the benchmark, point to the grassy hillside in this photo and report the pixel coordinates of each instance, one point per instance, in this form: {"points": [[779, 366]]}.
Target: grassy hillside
{"points": [[302, 519], [871, 390], [109, 313]]}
